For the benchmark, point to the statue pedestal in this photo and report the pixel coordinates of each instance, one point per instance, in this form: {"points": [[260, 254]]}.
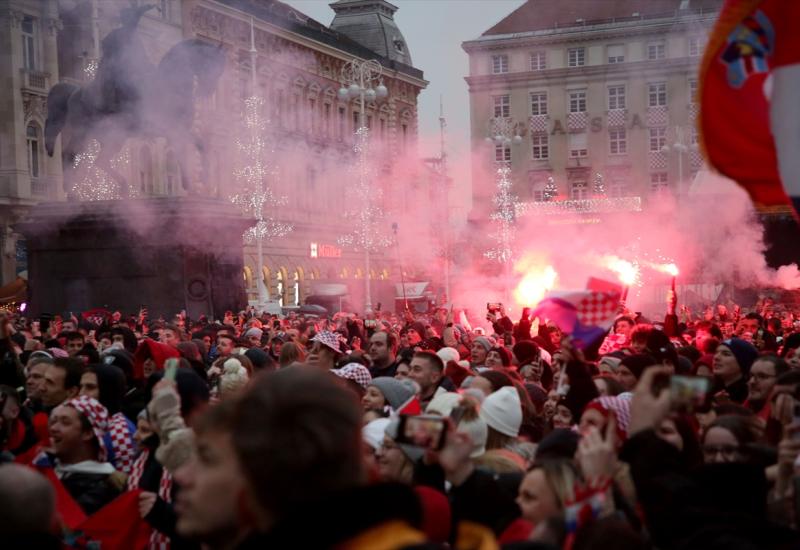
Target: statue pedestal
{"points": [[169, 253]]}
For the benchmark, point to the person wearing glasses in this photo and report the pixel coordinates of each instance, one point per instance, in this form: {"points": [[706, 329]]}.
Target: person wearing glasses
{"points": [[729, 439], [763, 375]]}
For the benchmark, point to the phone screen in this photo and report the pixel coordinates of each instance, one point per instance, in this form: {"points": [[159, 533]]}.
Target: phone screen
{"points": [[690, 393], [426, 431]]}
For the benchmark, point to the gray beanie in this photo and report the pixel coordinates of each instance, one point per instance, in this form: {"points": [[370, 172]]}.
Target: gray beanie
{"points": [[396, 392], [412, 452], [484, 342]]}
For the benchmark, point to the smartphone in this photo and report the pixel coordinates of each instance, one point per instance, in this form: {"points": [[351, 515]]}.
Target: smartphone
{"points": [[690, 394], [493, 307], [426, 431], [171, 368]]}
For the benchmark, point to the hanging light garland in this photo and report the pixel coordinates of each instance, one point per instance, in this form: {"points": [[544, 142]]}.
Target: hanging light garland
{"points": [[503, 217]]}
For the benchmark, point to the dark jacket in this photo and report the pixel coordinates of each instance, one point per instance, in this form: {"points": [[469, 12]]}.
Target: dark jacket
{"points": [[91, 491]]}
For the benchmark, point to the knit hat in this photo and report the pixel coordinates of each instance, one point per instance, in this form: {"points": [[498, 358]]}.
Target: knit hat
{"points": [[505, 355], [258, 357], [374, 431], [502, 411], [478, 433], [444, 403], [150, 349], [637, 363], [436, 514], [234, 376], [525, 351], [327, 338], [448, 354], [97, 415], [257, 332], [355, 372], [558, 444], [484, 342], [745, 353], [396, 392], [621, 407], [413, 452]]}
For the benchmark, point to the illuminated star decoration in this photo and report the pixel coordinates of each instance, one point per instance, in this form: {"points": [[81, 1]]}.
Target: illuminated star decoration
{"points": [[367, 214], [96, 184], [257, 199], [550, 190], [503, 218]]}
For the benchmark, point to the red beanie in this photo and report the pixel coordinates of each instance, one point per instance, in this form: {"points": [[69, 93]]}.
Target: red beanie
{"points": [[436, 515]]}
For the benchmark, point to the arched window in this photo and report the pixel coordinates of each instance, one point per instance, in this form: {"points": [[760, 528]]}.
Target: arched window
{"points": [[265, 273], [145, 170], [345, 273], [33, 135], [172, 173], [248, 277], [280, 287]]}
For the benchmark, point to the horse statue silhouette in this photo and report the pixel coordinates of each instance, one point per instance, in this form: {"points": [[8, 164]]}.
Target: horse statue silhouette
{"points": [[131, 98]]}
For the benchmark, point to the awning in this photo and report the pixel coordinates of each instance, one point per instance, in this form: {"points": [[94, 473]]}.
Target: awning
{"points": [[329, 289], [413, 290], [14, 292]]}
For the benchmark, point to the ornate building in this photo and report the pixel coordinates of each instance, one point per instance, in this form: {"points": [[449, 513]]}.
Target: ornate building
{"points": [[298, 74], [597, 97]]}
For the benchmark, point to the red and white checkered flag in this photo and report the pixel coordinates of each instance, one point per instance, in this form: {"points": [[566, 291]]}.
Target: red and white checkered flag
{"points": [[598, 308]]}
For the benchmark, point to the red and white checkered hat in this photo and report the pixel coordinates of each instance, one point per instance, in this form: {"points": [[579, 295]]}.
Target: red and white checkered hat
{"points": [[327, 338], [96, 414], [356, 372]]}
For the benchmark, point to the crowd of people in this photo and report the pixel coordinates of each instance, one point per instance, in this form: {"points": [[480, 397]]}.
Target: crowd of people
{"points": [[388, 431]]}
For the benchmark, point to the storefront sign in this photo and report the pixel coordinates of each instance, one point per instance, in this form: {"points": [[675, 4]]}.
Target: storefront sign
{"points": [[325, 251]]}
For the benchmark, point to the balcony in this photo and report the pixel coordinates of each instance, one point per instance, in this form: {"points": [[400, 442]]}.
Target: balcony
{"points": [[615, 118], [577, 122], [40, 187], [35, 81]]}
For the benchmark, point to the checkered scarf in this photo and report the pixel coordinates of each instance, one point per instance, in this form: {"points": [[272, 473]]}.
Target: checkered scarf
{"points": [[121, 443], [158, 540], [356, 372], [96, 414]]}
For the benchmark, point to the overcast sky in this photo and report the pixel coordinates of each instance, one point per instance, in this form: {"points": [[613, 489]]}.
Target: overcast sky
{"points": [[434, 31]]}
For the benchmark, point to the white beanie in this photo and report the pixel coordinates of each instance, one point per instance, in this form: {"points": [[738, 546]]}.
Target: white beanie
{"points": [[502, 411], [374, 431], [444, 403], [448, 354], [476, 429]]}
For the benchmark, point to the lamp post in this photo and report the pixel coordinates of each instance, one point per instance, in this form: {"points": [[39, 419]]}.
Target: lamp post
{"points": [[362, 80], [681, 148], [503, 132]]}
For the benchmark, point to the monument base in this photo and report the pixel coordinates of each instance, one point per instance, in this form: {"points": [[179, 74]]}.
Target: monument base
{"points": [[168, 254]]}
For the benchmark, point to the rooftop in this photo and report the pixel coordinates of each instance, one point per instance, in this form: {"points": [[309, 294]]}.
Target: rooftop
{"points": [[539, 15]]}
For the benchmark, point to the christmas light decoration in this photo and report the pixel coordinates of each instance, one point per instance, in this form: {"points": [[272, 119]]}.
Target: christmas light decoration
{"points": [[96, 184], [504, 217], [599, 185], [550, 190], [257, 199], [583, 206]]}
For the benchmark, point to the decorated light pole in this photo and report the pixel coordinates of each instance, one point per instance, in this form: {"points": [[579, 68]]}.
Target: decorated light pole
{"points": [[681, 148], [255, 174], [362, 80]]}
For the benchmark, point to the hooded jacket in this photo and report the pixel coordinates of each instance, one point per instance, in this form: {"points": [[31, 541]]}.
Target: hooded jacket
{"points": [[150, 349]]}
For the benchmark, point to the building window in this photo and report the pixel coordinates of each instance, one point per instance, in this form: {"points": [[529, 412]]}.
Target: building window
{"points": [[165, 9], [502, 106], [616, 97], [33, 138], [28, 43], [616, 53], [577, 145], [296, 288], [499, 64], [280, 287], [326, 123], [576, 57], [281, 105], [356, 121], [696, 46], [617, 188], [538, 61], [579, 190], [538, 103], [296, 112], [145, 170], [656, 50], [692, 90], [541, 146], [502, 153], [312, 119], [537, 193], [617, 141], [658, 139], [658, 182], [657, 94], [577, 101], [404, 136]]}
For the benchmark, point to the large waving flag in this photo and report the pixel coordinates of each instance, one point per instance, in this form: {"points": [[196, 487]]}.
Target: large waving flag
{"points": [[586, 315], [751, 40]]}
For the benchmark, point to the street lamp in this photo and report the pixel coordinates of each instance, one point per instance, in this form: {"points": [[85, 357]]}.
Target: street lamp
{"points": [[362, 80], [681, 148]]}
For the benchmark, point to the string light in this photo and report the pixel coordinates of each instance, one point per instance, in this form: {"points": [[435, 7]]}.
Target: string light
{"points": [[550, 190], [599, 184], [367, 214], [583, 206], [96, 184], [504, 216], [257, 199]]}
